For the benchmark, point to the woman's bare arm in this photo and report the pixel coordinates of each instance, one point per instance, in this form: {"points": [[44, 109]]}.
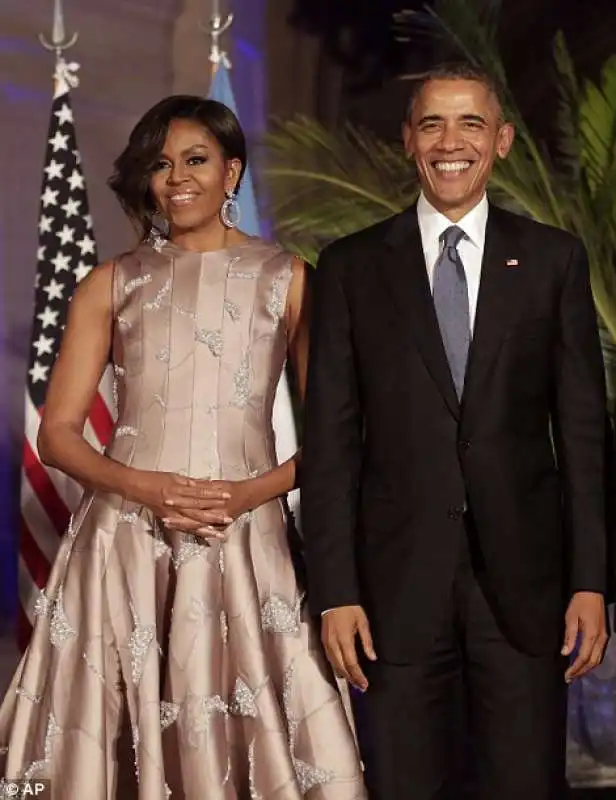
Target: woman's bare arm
{"points": [[83, 356], [284, 478]]}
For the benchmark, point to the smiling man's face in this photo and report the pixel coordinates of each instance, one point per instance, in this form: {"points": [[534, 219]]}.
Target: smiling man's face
{"points": [[454, 133]]}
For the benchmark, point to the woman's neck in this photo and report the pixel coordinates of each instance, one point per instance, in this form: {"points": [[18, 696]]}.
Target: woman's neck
{"points": [[214, 237]]}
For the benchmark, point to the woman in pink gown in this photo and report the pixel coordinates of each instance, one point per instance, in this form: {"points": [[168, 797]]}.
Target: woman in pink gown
{"points": [[172, 655]]}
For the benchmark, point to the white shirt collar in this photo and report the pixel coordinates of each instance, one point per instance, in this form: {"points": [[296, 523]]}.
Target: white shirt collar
{"points": [[432, 223]]}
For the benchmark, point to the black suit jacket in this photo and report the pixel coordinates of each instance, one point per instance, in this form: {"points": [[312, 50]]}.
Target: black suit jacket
{"points": [[392, 460]]}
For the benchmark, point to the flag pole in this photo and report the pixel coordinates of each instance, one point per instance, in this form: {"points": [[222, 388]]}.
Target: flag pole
{"points": [[66, 253], [222, 91], [216, 27]]}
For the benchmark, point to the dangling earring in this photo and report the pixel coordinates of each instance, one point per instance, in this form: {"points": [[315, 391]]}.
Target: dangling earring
{"points": [[230, 211], [159, 222]]}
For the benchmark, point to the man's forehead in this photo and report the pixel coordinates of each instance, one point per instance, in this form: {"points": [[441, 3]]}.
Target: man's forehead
{"points": [[457, 97]]}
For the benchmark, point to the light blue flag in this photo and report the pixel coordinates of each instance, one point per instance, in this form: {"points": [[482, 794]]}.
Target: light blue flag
{"points": [[222, 91]]}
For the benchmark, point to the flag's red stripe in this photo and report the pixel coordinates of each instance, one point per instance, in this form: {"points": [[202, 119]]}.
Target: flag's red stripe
{"points": [[35, 561], [38, 570], [101, 419], [41, 484]]}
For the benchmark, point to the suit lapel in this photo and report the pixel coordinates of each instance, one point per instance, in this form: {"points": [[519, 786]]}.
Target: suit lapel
{"points": [[501, 293], [408, 283]]}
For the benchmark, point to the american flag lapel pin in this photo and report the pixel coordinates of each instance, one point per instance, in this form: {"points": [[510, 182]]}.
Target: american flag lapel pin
{"points": [[512, 262]]}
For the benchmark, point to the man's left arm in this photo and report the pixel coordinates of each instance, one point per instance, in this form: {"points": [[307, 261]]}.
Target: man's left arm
{"points": [[579, 431]]}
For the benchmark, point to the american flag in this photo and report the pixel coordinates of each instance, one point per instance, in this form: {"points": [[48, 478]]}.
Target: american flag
{"points": [[66, 253]]}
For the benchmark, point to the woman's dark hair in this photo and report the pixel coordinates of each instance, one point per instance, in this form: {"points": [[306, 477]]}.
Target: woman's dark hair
{"points": [[133, 168]]}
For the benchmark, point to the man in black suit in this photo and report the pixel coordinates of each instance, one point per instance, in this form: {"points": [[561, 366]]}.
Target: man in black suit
{"points": [[453, 499]]}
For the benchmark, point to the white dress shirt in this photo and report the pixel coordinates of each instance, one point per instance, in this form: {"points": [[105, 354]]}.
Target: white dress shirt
{"points": [[432, 224]]}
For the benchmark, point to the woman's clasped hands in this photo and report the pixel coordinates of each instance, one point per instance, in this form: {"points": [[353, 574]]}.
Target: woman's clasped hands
{"points": [[194, 505]]}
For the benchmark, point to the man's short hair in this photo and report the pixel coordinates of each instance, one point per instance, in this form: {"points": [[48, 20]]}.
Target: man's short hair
{"points": [[453, 71]]}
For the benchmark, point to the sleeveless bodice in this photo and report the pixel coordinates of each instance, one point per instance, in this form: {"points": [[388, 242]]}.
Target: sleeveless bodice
{"points": [[199, 346]]}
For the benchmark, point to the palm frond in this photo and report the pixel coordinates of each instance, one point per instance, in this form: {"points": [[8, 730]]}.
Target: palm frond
{"points": [[472, 29], [326, 184], [595, 216], [518, 178], [597, 114], [568, 118], [600, 245]]}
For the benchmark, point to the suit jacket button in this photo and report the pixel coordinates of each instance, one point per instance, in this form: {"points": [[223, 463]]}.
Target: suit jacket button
{"points": [[464, 444], [454, 513]]}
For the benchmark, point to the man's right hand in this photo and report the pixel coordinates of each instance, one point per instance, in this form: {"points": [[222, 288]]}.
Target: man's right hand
{"points": [[339, 629]]}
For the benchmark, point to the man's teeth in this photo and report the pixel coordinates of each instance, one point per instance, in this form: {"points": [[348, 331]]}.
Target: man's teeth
{"points": [[452, 166]]}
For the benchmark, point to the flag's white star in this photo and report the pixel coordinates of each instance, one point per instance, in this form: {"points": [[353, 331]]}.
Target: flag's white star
{"points": [[66, 235], [43, 345], [38, 372], [61, 262], [54, 169], [80, 271], [71, 207], [40, 253], [48, 317], [59, 141], [77, 156], [54, 290], [50, 197], [37, 280], [86, 245], [76, 180], [64, 115], [88, 220], [45, 224]]}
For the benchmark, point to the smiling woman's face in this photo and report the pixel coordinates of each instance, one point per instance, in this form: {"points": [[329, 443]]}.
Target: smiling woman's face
{"points": [[454, 133], [190, 180]]}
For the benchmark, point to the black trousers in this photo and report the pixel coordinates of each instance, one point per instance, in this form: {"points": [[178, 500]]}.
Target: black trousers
{"points": [[474, 694]]}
